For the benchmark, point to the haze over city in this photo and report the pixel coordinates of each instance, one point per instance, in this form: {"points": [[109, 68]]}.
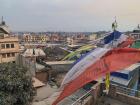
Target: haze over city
{"points": [[70, 15], [69, 52]]}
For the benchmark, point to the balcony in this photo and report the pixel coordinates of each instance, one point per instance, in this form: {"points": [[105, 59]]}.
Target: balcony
{"points": [[9, 39]]}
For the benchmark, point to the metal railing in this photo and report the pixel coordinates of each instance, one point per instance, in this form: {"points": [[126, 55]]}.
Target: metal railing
{"points": [[128, 91], [81, 100], [120, 89]]}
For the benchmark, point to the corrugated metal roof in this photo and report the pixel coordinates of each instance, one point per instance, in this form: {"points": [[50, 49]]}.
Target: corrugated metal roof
{"points": [[136, 44]]}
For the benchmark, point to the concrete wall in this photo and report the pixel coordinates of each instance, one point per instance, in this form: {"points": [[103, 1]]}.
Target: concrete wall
{"points": [[89, 101], [60, 66], [42, 76], [29, 63], [127, 99], [95, 95]]}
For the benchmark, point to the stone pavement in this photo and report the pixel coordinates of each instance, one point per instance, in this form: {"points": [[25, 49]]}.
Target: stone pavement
{"points": [[47, 101], [43, 94]]}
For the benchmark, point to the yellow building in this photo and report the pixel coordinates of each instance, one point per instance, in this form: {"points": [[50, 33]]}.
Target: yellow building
{"points": [[9, 45], [32, 38], [92, 37]]}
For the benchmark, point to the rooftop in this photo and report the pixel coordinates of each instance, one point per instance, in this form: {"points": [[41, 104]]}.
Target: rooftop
{"points": [[39, 67], [37, 83], [59, 62], [130, 68], [34, 52], [9, 39], [119, 80], [136, 44]]}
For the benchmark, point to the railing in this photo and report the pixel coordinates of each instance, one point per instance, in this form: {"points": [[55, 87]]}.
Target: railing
{"points": [[82, 99], [128, 91], [120, 89]]}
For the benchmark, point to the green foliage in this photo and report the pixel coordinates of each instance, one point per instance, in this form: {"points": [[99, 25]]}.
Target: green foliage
{"points": [[15, 86]]}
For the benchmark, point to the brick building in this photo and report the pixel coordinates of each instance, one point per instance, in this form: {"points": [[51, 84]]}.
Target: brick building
{"points": [[9, 45]]}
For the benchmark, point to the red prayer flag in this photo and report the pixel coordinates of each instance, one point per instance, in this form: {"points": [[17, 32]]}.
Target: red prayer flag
{"points": [[113, 60]]}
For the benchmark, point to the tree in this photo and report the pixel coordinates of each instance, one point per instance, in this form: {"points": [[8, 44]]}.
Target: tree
{"points": [[15, 85]]}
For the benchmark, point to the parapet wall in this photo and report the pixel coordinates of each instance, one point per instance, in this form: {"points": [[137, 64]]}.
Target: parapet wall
{"points": [[131, 100], [60, 66], [127, 99]]}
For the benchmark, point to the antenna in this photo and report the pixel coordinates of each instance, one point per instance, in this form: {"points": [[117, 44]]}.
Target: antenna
{"points": [[115, 19], [2, 19], [138, 26], [114, 25]]}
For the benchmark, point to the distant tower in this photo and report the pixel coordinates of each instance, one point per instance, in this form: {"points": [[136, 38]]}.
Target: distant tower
{"points": [[2, 21], [114, 25], [138, 26], [4, 26]]}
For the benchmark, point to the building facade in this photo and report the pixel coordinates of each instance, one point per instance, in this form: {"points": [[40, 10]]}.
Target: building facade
{"points": [[32, 38], [128, 78], [136, 33], [9, 45]]}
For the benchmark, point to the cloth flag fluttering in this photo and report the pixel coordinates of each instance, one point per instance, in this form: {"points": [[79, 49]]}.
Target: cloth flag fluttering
{"points": [[90, 60], [113, 60], [91, 57]]}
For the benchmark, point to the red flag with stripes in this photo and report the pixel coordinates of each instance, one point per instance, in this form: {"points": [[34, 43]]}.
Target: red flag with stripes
{"points": [[113, 60]]}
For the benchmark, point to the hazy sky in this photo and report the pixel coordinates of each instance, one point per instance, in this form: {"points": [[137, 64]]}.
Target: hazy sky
{"points": [[70, 15]]}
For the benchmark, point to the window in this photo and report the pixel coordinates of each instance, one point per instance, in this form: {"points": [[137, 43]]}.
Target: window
{"points": [[13, 54], [8, 54], [12, 45], [3, 55], [7, 45], [3, 46]]}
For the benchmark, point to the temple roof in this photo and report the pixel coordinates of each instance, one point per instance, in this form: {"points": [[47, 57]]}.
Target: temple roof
{"points": [[4, 28]]}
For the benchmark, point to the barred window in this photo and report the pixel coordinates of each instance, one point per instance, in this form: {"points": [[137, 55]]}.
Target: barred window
{"points": [[13, 54], [12, 46], [3, 55], [7, 45], [8, 54], [3, 46]]}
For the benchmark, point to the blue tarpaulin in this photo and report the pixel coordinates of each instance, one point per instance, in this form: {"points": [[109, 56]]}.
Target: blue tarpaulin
{"points": [[114, 35]]}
